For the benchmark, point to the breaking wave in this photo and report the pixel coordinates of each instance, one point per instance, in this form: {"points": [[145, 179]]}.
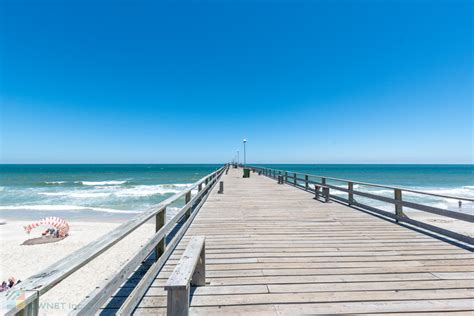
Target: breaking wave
{"points": [[118, 191], [98, 183], [55, 182]]}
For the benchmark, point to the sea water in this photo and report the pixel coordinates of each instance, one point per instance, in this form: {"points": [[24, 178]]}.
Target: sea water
{"points": [[110, 192], [101, 192]]}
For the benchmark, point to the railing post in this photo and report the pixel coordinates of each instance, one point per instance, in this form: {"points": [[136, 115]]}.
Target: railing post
{"points": [[398, 207], [286, 176], [323, 181], [350, 187], [160, 222], [187, 199], [221, 187], [294, 178], [306, 184]]}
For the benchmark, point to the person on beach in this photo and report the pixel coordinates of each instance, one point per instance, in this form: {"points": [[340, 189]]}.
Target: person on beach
{"points": [[8, 285], [11, 282]]}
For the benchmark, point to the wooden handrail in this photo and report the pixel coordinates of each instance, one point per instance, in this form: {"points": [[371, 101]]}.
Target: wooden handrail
{"points": [[459, 198], [397, 200]]}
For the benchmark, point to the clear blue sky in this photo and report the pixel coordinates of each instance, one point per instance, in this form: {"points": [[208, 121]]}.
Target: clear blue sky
{"points": [[304, 82]]}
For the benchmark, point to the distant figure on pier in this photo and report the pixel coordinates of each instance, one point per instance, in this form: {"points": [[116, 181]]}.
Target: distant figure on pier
{"points": [[460, 204]]}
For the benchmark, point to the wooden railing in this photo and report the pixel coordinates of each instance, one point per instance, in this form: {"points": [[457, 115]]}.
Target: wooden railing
{"points": [[35, 286], [307, 182]]}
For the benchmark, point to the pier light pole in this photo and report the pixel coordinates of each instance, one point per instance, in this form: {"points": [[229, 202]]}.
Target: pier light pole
{"points": [[238, 157], [245, 156]]}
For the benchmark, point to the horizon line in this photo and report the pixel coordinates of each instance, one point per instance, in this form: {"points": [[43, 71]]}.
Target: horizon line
{"points": [[221, 163]]}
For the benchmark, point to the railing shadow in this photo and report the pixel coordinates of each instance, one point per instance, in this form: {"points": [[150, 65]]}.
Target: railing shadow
{"points": [[126, 289]]}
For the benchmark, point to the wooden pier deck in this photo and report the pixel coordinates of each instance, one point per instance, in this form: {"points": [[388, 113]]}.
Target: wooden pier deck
{"points": [[273, 250]]}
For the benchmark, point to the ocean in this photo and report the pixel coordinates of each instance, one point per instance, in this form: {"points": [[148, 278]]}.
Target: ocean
{"points": [[100, 192], [115, 192]]}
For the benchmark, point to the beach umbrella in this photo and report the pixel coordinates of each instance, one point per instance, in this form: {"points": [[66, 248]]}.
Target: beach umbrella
{"points": [[60, 224]]}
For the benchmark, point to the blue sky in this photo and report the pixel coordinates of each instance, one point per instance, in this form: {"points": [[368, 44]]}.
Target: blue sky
{"points": [[176, 82]]}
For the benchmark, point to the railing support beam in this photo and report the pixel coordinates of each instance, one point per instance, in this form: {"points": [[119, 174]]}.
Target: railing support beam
{"points": [[187, 199], [350, 187], [160, 222], [398, 207]]}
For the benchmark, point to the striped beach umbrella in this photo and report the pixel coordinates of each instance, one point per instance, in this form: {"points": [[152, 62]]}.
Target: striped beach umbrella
{"points": [[60, 224]]}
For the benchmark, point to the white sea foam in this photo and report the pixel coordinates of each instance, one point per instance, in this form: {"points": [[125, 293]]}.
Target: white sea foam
{"points": [[98, 183], [149, 190], [52, 207], [77, 194], [170, 212], [180, 185], [55, 182], [465, 191], [118, 191]]}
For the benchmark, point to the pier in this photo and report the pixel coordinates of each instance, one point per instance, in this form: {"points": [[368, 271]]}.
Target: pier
{"points": [[272, 248]]}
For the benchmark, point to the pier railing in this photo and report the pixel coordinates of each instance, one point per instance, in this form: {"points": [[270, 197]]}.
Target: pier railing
{"points": [[350, 194], [24, 298]]}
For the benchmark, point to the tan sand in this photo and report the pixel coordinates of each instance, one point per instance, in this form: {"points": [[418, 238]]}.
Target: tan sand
{"points": [[22, 261]]}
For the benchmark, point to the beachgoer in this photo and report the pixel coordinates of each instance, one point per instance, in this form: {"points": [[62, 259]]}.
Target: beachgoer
{"points": [[11, 282]]}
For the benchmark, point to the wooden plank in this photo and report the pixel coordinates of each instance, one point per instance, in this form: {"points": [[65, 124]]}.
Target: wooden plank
{"points": [[371, 286], [378, 307], [316, 297]]}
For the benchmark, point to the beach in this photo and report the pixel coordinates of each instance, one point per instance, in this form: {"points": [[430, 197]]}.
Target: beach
{"points": [[22, 261]]}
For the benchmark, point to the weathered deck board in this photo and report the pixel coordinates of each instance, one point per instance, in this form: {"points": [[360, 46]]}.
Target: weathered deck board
{"points": [[273, 250]]}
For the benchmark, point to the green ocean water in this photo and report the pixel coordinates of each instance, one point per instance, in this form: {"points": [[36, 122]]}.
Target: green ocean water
{"points": [[105, 192], [91, 191]]}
